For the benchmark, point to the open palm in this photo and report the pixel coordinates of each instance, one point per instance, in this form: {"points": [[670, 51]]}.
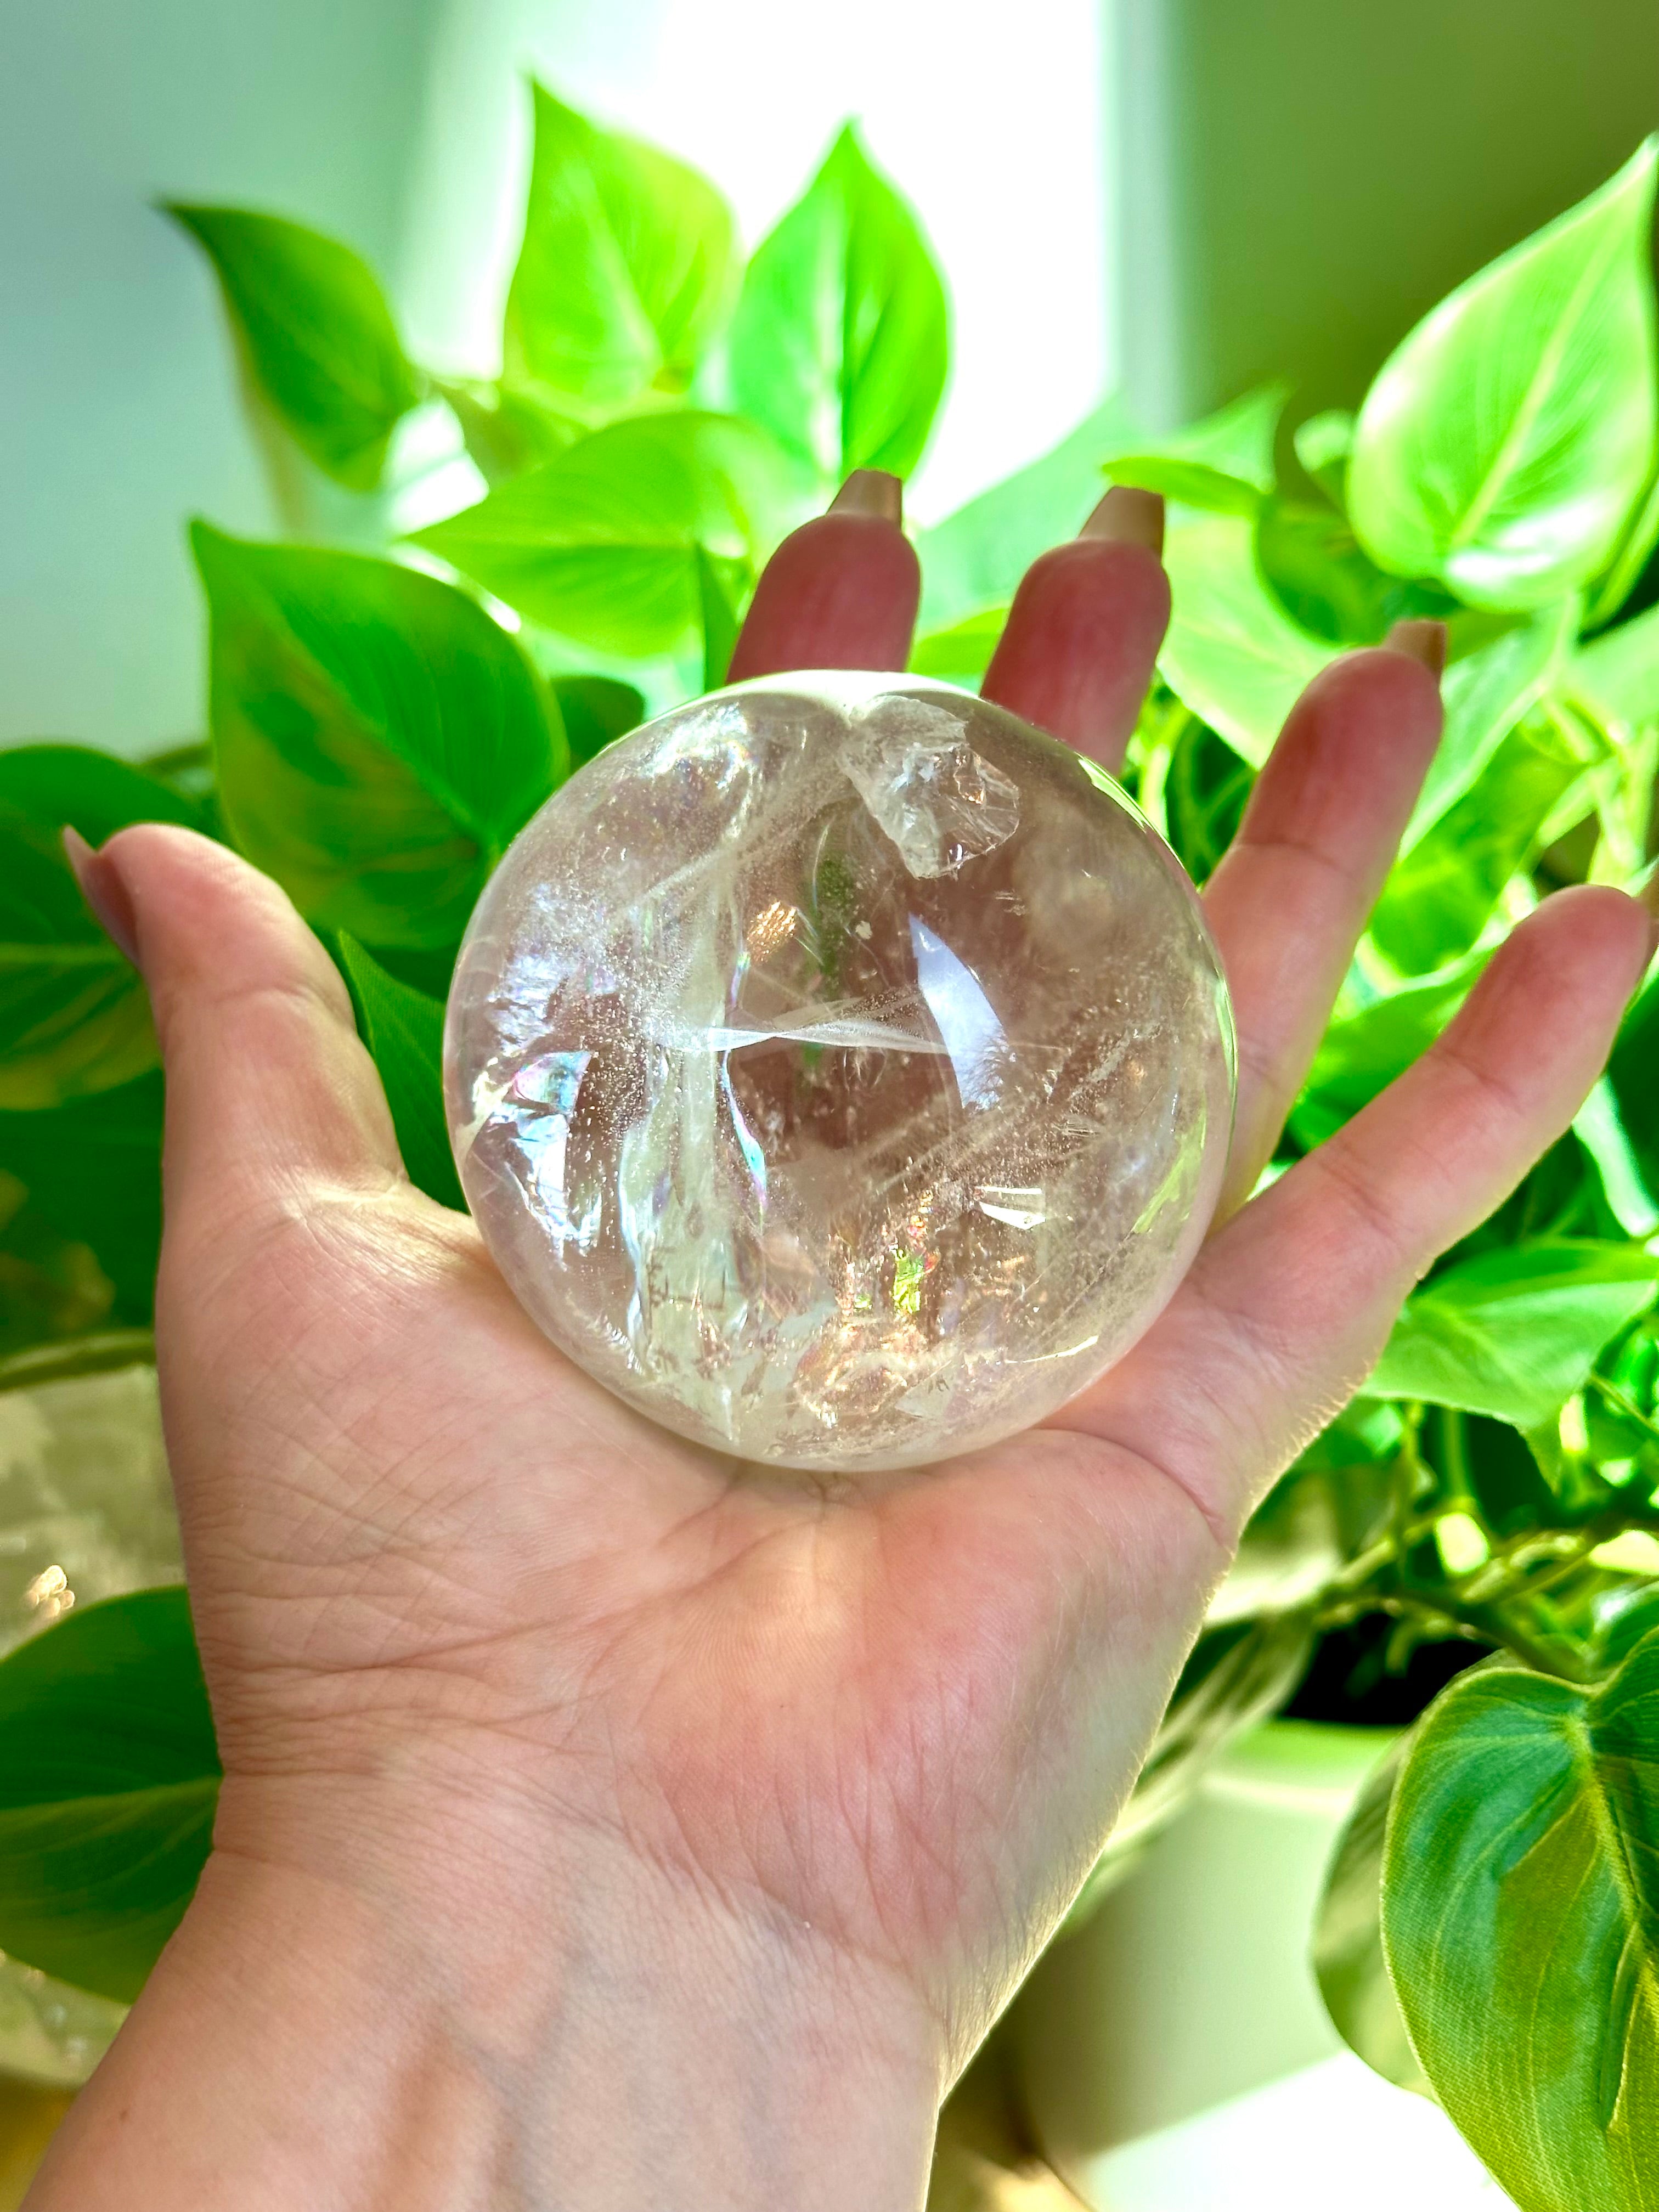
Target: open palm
{"points": [[486, 1647]]}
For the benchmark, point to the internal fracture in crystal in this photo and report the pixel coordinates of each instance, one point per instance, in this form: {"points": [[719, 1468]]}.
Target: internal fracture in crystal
{"points": [[841, 1071]]}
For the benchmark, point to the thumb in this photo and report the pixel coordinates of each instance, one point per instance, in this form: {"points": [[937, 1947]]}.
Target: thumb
{"points": [[269, 1087]]}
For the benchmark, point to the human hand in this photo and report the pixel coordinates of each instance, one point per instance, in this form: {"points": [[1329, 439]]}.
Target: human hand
{"points": [[605, 1825]]}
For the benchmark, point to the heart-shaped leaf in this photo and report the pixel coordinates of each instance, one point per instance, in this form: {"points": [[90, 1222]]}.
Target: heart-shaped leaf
{"points": [[1443, 890], [1363, 1051], [1505, 444], [107, 1790], [604, 544], [1515, 1332], [92, 1170], [622, 271], [1187, 484], [975, 558], [840, 340], [961, 653], [1618, 673], [403, 1030], [1232, 655], [1486, 695], [1347, 1948], [1521, 1925], [379, 740], [597, 710], [316, 334], [74, 1019]]}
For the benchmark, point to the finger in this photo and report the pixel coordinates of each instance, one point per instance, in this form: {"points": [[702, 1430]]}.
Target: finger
{"points": [[841, 591], [269, 1086], [1287, 1308], [1296, 887], [1077, 653]]}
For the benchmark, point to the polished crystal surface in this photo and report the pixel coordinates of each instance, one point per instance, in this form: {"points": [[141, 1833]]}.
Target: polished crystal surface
{"points": [[841, 1071]]}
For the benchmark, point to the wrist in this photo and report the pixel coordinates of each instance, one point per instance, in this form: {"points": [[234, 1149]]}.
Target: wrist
{"points": [[369, 2036]]}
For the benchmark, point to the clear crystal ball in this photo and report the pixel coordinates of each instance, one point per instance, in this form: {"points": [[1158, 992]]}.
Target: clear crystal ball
{"points": [[841, 1071]]}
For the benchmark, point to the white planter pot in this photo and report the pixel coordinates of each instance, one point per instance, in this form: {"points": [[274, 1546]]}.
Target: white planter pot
{"points": [[1174, 2056]]}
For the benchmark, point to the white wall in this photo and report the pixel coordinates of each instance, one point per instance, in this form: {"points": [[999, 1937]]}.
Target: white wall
{"points": [[116, 417]]}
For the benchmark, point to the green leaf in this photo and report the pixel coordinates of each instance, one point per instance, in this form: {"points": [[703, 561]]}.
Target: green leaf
{"points": [[1486, 695], [973, 561], [1515, 1332], [92, 1170], [92, 792], [1323, 444], [1521, 1919], [1348, 1947], [1618, 673], [1239, 439], [1189, 483], [1362, 1052], [74, 1017], [1232, 655], [622, 271], [51, 1287], [840, 342], [315, 332], [1206, 788], [1631, 558], [1598, 1126], [1506, 442], [603, 544], [1311, 559], [379, 740], [720, 591], [961, 653], [508, 430], [1633, 1077], [403, 1030], [107, 1790], [1442, 891], [597, 710]]}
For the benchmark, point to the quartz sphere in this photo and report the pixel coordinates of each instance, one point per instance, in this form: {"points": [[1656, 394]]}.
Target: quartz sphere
{"points": [[840, 1070]]}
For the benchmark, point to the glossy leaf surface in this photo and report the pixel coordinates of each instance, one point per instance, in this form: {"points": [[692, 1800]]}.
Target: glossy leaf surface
{"points": [[74, 1017], [107, 1790], [1347, 1948], [1506, 442], [379, 740], [1521, 1921], [1515, 1332], [1232, 654], [603, 544], [316, 333], [840, 340], [622, 272], [404, 1029]]}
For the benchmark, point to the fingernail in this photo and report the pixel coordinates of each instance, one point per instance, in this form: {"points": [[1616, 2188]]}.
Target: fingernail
{"points": [[1128, 516], [871, 491], [104, 892], [1424, 641]]}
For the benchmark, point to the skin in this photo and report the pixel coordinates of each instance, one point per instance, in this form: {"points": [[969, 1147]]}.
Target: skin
{"points": [[606, 1826]]}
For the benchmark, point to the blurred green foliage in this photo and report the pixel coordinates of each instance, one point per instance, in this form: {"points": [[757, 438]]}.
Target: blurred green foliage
{"points": [[381, 727]]}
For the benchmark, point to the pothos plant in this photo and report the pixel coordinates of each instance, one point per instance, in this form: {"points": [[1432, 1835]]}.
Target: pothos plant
{"points": [[380, 725]]}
